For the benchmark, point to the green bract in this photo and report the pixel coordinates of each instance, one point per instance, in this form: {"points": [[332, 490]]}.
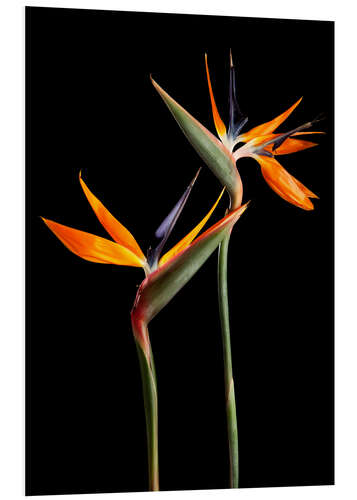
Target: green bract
{"points": [[216, 156]]}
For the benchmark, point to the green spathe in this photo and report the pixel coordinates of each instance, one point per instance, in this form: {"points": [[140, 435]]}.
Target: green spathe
{"points": [[216, 156], [162, 285]]}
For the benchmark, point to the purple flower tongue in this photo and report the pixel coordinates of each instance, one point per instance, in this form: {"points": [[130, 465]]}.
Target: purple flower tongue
{"points": [[164, 230], [236, 118]]}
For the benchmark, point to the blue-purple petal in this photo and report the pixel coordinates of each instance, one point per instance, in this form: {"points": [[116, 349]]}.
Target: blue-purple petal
{"points": [[164, 230]]}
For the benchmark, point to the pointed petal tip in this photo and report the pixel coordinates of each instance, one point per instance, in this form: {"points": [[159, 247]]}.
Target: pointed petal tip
{"points": [[153, 81], [269, 127], [48, 222], [231, 58], [218, 122], [295, 105], [117, 231], [167, 225], [320, 117], [195, 177], [243, 208], [186, 241], [159, 89]]}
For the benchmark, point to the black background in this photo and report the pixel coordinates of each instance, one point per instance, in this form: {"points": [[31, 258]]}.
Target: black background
{"points": [[91, 106]]}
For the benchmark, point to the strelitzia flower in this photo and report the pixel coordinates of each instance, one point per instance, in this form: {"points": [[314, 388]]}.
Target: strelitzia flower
{"points": [[165, 276], [262, 144], [124, 250]]}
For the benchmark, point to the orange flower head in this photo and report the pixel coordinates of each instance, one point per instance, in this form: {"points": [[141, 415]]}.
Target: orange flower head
{"points": [[262, 143], [166, 274], [125, 250]]}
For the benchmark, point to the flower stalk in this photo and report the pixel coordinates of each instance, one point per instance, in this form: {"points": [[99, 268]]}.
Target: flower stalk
{"points": [[148, 378], [232, 427]]}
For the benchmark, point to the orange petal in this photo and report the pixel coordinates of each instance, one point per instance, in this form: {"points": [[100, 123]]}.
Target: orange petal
{"points": [[307, 191], [308, 132], [268, 127], [233, 215], [117, 231], [94, 248], [284, 184], [189, 237], [259, 140], [291, 146], [220, 126]]}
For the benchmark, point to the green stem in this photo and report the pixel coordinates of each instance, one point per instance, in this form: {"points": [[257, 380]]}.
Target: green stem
{"points": [[227, 360], [150, 402]]}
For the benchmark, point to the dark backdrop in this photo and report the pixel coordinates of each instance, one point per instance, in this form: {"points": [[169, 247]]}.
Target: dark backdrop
{"points": [[91, 106]]}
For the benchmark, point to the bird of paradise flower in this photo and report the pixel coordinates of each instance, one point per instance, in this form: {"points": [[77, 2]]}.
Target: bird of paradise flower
{"points": [[164, 277], [261, 143]]}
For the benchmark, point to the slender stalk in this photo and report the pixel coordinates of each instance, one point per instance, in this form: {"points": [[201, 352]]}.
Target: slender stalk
{"points": [[227, 361], [150, 402]]}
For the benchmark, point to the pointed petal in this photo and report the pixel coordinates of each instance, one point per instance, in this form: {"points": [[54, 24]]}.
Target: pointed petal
{"points": [[268, 127], [308, 133], [220, 126], [93, 248], [189, 237], [164, 283], [236, 118], [283, 137], [284, 184], [277, 144], [307, 191], [117, 231], [210, 149], [291, 146], [167, 225]]}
